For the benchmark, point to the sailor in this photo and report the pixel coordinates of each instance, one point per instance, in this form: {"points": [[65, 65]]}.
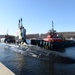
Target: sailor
{"points": [[23, 34]]}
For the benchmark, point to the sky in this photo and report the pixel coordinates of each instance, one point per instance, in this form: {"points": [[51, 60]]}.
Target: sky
{"points": [[37, 15]]}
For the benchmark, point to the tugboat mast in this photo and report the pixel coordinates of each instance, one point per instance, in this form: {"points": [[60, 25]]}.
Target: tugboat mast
{"points": [[52, 25]]}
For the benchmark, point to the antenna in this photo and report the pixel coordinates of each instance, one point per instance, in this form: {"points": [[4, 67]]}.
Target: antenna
{"points": [[52, 25], [7, 32], [19, 24]]}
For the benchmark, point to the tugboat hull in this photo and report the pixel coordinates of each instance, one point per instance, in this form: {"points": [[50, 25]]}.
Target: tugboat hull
{"points": [[53, 45]]}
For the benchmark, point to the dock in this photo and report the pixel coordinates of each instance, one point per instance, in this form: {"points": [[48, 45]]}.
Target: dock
{"points": [[4, 70]]}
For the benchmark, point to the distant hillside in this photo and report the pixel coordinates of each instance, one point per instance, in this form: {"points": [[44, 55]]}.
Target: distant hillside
{"points": [[68, 34], [64, 34], [2, 36], [32, 36]]}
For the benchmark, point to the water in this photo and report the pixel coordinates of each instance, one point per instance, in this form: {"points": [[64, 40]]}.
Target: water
{"points": [[35, 61]]}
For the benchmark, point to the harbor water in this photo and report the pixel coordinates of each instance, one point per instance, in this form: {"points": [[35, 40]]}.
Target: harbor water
{"points": [[23, 61]]}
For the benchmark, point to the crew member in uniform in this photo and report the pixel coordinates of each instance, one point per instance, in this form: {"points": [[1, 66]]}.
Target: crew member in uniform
{"points": [[23, 34]]}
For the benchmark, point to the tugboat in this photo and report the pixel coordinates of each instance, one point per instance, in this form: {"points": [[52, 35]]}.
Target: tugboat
{"points": [[53, 41], [9, 38]]}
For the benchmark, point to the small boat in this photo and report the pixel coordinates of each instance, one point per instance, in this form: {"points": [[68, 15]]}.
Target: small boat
{"points": [[9, 39]]}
